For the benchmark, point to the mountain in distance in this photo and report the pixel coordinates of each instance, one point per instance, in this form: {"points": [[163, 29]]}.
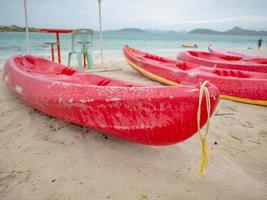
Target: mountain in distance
{"points": [[146, 30], [131, 30], [14, 28], [149, 30], [203, 31], [234, 31], [238, 31]]}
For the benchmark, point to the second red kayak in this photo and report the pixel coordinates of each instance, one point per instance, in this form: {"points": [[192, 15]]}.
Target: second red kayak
{"points": [[224, 61], [237, 85]]}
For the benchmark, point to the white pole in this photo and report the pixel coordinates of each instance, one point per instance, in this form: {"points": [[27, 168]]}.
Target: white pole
{"points": [[26, 28], [100, 31]]}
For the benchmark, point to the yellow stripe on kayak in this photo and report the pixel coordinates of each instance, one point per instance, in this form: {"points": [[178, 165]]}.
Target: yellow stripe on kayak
{"points": [[243, 100], [172, 83], [152, 76]]}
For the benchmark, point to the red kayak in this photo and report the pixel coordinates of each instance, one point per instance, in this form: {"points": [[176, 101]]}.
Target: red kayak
{"points": [[224, 61], [227, 52], [154, 115], [242, 86]]}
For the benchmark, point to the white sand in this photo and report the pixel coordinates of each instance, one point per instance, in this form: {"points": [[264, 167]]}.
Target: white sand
{"points": [[262, 52], [45, 158]]}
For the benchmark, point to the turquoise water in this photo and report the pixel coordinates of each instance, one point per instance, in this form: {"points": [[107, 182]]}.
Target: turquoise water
{"points": [[14, 43]]}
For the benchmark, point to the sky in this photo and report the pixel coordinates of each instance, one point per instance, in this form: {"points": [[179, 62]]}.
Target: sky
{"points": [[174, 15]]}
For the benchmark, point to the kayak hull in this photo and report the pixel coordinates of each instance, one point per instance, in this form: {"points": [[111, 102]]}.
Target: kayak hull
{"points": [[224, 61], [218, 50], [222, 51], [154, 115], [241, 86]]}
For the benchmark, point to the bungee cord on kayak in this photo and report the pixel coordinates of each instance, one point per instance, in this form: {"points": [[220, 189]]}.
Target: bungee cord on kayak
{"points": [[203, 137]]}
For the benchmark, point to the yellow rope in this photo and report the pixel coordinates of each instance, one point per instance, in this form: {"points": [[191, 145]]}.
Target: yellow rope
{"points": [[204, 146]]}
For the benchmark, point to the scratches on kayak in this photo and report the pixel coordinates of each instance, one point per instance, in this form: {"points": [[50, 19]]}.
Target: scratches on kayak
{"points": [[113, 99], [18, 89]]}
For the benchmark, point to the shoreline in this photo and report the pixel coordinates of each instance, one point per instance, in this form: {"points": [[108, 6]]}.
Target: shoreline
{"points": [[118, 55]]}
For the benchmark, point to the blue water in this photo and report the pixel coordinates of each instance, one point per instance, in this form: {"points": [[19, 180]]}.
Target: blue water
{"points": [[14, 43]]}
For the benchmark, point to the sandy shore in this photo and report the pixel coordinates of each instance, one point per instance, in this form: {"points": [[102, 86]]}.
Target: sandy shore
{"points": [[262, 52], [45, 158]]}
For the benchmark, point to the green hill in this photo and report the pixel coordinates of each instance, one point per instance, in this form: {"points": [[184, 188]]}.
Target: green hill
{"points": [[14, 28], [132, 30], [234, 31]]}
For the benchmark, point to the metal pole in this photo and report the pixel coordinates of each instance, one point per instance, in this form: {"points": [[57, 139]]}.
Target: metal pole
{"points": [[100, 31], [26, 28]]}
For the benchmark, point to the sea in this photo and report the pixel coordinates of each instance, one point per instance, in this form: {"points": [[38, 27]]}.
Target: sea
{"points": [[152, 41]]}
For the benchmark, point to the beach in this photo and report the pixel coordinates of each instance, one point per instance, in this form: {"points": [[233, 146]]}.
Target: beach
{"points": [[46, 158]]}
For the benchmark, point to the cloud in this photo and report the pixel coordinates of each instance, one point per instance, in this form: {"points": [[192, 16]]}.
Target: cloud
{"points": [[224, 20], [160, 14]]}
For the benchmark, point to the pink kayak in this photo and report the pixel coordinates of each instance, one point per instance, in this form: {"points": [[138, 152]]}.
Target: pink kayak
{"points": [[227, 52], [224, 61]]}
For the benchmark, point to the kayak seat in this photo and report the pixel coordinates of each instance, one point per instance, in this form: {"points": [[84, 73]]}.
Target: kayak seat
{"points": [[231, 73], [104, 82], [23, 63], [68, 71], [110, 82], [182, 66], [152, 57], [210, 56], [225, 73], [30, 60], [45, 67], [39, 65]]}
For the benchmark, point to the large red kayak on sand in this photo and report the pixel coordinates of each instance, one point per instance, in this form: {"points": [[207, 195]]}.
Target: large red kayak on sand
{"points": [[224, 61], [154, 115], [242, 86]]}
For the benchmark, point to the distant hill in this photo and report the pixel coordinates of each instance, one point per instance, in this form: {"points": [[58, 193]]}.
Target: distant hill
{"points": [[132, 30], [239, 31], [234, 31], [204, 31], [14, 28]]}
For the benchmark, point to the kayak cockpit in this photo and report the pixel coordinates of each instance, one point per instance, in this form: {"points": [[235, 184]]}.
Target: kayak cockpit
{"points": [[41, 67], [216, 57]]}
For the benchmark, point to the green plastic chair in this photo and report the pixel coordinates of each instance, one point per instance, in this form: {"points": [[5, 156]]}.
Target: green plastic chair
{"points": [[84, 39]]}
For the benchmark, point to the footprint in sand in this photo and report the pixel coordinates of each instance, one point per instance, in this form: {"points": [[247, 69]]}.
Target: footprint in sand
{"points": [[247, 124], [229, 108], [10, 179], [263, 133]]}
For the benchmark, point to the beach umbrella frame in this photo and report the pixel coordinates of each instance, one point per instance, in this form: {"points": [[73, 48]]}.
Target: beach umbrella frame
{"points": [[100, 31], [26, 27]]}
